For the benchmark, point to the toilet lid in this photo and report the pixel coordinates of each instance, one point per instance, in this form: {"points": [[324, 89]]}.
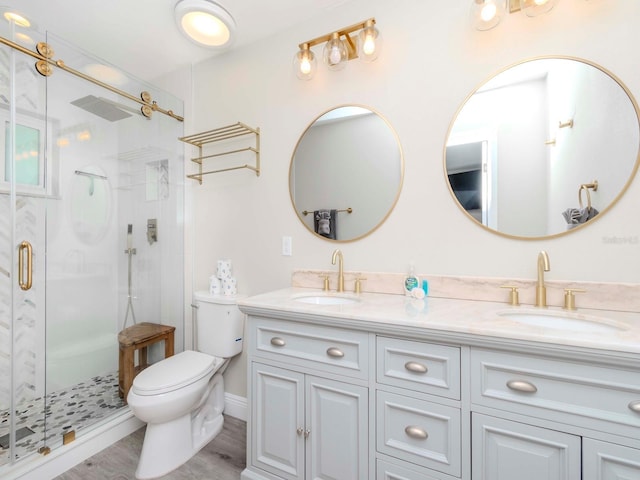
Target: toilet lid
{"points": [[174, 372]]}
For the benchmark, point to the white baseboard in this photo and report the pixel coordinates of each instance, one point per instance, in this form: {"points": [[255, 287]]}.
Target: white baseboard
{"points": [[235, 406], [65, 457]]}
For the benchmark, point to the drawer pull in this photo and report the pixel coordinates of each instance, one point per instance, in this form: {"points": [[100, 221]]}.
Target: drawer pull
{"points": [[635, 406], [416, 367], [416, 432], [335, 352], [278, 342], [522, 386]]}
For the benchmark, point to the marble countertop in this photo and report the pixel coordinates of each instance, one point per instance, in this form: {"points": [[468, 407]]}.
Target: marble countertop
{"points": [[461, 320]]}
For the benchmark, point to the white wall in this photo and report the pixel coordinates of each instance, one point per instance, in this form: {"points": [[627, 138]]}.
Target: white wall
{"points": [[431, 61]]}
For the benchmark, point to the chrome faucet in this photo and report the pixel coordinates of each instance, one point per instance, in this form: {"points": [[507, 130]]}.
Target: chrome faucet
{"points": [[541, 290], [337, 254]]}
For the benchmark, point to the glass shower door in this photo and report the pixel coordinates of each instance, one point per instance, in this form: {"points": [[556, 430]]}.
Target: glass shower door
{"points": [[23, 190]]}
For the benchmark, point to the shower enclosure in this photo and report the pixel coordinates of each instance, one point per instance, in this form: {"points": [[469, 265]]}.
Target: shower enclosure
{"points": [[79, 164]]}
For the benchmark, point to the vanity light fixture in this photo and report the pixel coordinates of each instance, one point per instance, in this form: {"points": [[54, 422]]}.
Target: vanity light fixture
{"points": [[205, 23], [340, 47], [486, 14]]}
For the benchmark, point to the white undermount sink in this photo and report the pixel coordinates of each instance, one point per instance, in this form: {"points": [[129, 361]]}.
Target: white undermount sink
{"points": [[562, 321], [326, 299]]}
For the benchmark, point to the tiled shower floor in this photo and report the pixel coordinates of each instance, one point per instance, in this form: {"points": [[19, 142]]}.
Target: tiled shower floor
{"points": [[72, 408]]}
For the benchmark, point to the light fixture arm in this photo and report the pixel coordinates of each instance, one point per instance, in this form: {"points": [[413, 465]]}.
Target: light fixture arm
{"points": [[344, 32]]}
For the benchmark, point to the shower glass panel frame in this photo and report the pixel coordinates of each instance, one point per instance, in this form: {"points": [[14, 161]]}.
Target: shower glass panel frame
{"points": [[97, 175], [24, 185]]}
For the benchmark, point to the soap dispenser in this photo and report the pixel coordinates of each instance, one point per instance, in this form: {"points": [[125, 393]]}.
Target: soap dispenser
{"points": [[411, 281]]}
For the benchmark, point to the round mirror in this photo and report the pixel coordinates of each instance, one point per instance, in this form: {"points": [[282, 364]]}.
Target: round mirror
{"points": [[542, 148], [346, 173]]}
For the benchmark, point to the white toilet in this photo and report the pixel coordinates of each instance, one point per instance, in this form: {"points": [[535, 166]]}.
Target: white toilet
{"points": [[182, 397]]}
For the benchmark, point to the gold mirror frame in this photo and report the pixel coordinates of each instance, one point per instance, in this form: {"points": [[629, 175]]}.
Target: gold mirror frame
{"points": [[346, 209], [579, 189]]}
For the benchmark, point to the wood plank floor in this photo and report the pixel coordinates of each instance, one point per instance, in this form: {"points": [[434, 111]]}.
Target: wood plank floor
{"points": [[222, 459]]}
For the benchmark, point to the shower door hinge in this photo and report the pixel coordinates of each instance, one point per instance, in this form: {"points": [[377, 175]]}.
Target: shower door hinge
{"points": [[68, 437], [44, 450]]}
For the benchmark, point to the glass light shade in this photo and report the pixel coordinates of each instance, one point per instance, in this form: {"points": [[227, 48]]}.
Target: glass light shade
{"points": [[534, 8], [369, 43], [486, 14], [304, 63], [205, 23], [335, 53]]}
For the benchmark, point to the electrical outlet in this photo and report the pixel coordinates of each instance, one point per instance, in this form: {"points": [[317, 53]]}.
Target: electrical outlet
{"points": [[286, 246]]}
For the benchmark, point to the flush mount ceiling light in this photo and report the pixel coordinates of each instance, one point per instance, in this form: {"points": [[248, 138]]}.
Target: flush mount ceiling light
{"points": [[486, 14], [205, 23], [339, 48]]}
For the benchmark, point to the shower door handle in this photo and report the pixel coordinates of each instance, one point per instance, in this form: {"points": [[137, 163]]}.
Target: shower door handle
{"points": [[25, 248]]}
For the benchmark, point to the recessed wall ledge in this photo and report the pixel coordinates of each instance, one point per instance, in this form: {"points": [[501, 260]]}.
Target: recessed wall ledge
{"points": [[624, 297]]}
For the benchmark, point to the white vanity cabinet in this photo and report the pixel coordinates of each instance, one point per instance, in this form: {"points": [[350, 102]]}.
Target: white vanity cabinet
{"points": [[309, 402], [348, 399], [556, 406]]}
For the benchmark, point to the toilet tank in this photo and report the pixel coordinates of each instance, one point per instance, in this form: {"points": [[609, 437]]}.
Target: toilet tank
{"points": [[219, 324]]}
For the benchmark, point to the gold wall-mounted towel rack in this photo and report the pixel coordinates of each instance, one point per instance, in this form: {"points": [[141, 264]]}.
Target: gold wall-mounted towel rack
{"points": [[587, 187], [227, 132], [348, 210]]}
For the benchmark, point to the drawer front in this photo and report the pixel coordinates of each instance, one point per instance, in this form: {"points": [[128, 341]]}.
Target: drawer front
{"points": [[583, 394], [334, 350], [419, 366], [420, 432], [389, 471]]}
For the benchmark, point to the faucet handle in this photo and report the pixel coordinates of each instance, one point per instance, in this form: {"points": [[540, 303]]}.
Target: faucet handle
{"points": [[570, 298], [514, 297], [358, 285], [325, 283]]}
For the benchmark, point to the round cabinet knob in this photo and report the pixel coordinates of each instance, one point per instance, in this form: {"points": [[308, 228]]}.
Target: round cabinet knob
{"points": [[278, 342], [335, 352], [416, 432], [522, 386], [416, 367]]}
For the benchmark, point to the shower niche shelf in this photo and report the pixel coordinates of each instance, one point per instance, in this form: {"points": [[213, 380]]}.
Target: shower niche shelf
{"points": [[228, 132]]}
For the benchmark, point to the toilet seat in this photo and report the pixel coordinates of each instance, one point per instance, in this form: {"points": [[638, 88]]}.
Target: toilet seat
{"points": [[175, 372]]}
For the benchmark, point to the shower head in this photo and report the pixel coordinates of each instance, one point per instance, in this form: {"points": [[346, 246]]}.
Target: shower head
{"points": [[104, 108]]}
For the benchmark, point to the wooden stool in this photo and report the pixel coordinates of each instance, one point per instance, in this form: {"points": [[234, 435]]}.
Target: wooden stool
{"points": [[139, 337]]}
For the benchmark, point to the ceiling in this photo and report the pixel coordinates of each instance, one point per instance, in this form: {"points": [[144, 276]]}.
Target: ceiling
{"points": [[140, 36]]}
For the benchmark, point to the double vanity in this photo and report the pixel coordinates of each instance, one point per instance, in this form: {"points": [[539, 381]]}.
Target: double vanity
{"points": [[466, 383], [384, 386]]}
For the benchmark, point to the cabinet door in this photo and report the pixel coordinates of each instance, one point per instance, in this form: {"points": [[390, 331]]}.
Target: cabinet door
{"points": [[505, 450], [337, 445], [606, 461], [278, 421]]}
